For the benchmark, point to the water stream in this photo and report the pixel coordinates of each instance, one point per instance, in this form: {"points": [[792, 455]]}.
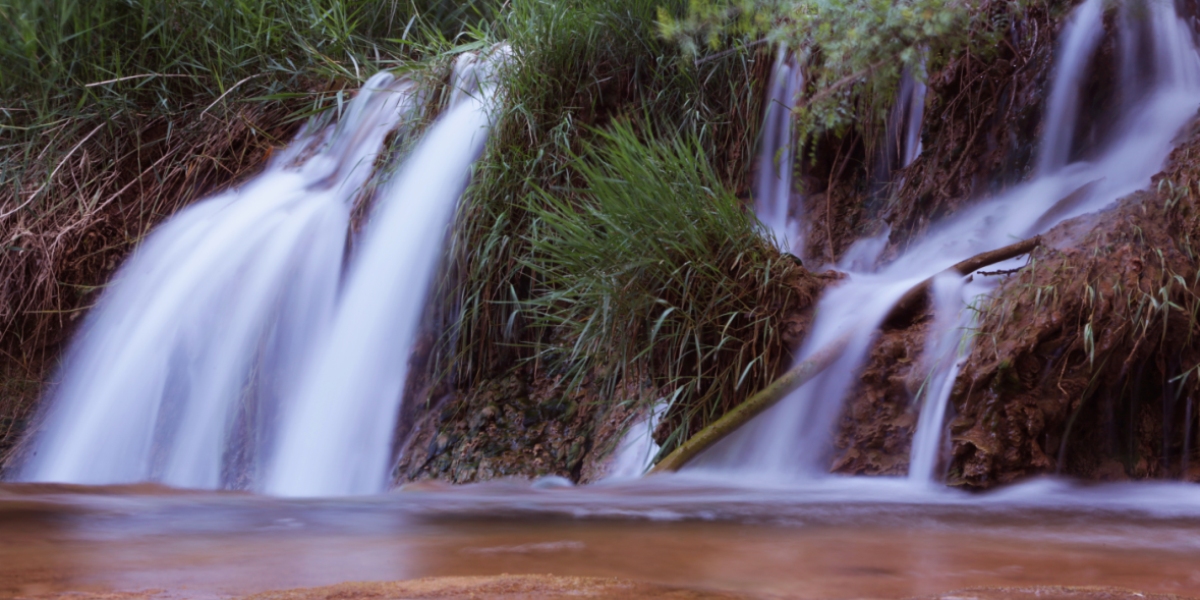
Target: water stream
{"points": [[1081, 36], [849, 538], [338, 438], [773, 181]]}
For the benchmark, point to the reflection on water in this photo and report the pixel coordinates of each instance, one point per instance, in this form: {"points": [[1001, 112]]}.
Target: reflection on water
{"points": [[843, 539]]}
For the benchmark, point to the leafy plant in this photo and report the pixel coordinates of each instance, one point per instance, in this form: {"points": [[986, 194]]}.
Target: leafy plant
{"points": [[854, 51]]}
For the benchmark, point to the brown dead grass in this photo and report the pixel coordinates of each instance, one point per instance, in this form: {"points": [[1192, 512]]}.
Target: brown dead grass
{"points": [[75, 209]]}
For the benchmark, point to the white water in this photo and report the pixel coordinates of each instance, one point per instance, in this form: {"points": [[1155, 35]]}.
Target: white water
{"points": [[637, 450], [236, 348], [1081, 35], [773, 183], [912, 101], [200, 333], [943, 353], [794, 437], [338, 438]]}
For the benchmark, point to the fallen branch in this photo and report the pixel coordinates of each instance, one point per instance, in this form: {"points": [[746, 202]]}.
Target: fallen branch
{"points": [[752, 407], [911, 302]]}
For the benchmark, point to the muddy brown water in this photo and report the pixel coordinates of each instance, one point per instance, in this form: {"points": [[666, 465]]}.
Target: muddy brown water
{"points": [[845, 540]]}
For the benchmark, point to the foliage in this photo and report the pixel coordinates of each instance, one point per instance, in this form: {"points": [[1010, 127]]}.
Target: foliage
{"points": [[151, 55], [854, 50], [656, 265]]}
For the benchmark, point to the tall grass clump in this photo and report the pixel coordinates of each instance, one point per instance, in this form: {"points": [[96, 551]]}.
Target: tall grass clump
{"points": [[577, 65], [656, 274]]}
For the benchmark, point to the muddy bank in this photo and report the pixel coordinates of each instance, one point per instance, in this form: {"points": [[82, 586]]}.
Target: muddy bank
{"points": [[503, 586], [545, 587]]}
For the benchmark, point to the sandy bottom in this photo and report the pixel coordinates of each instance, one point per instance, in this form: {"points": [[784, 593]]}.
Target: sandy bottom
{"points": [[544, 587]]}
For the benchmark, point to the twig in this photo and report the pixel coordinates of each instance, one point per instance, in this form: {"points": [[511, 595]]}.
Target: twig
{"points": [[755, 405], [914, 299], [62, 162], [1001, 272], [127, 78], [231, 88], [724, 53]]}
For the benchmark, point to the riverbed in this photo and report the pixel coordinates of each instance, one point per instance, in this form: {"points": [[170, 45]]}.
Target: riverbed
{"points": [[835, 538]]}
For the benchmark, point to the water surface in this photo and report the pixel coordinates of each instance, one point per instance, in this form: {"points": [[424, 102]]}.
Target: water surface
{"points": [[838, 539]]}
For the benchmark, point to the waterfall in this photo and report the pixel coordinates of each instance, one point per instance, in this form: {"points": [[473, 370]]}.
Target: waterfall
{"points": [[773, 184], [337, 439], [1081, 36], [794, 436], [912, 103], [177, 374], [237, 347], [942, 355], [636, 452]]}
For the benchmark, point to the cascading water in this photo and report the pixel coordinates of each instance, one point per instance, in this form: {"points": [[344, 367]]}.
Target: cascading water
{"points": [[943, 351], [794, 436], [178, 373], [636, 453], [230, 351], [337, 439], [902, 144], [912, 103], [1081, 36], [773, 184]]}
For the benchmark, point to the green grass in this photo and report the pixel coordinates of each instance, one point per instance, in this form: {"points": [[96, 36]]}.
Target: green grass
{"points": [[159, 55], [655, 274], [578, 65]]}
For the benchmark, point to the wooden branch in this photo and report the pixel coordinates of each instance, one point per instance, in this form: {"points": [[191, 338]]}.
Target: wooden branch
{"points": [[913, 301], [803, 372], [755, 405]]}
